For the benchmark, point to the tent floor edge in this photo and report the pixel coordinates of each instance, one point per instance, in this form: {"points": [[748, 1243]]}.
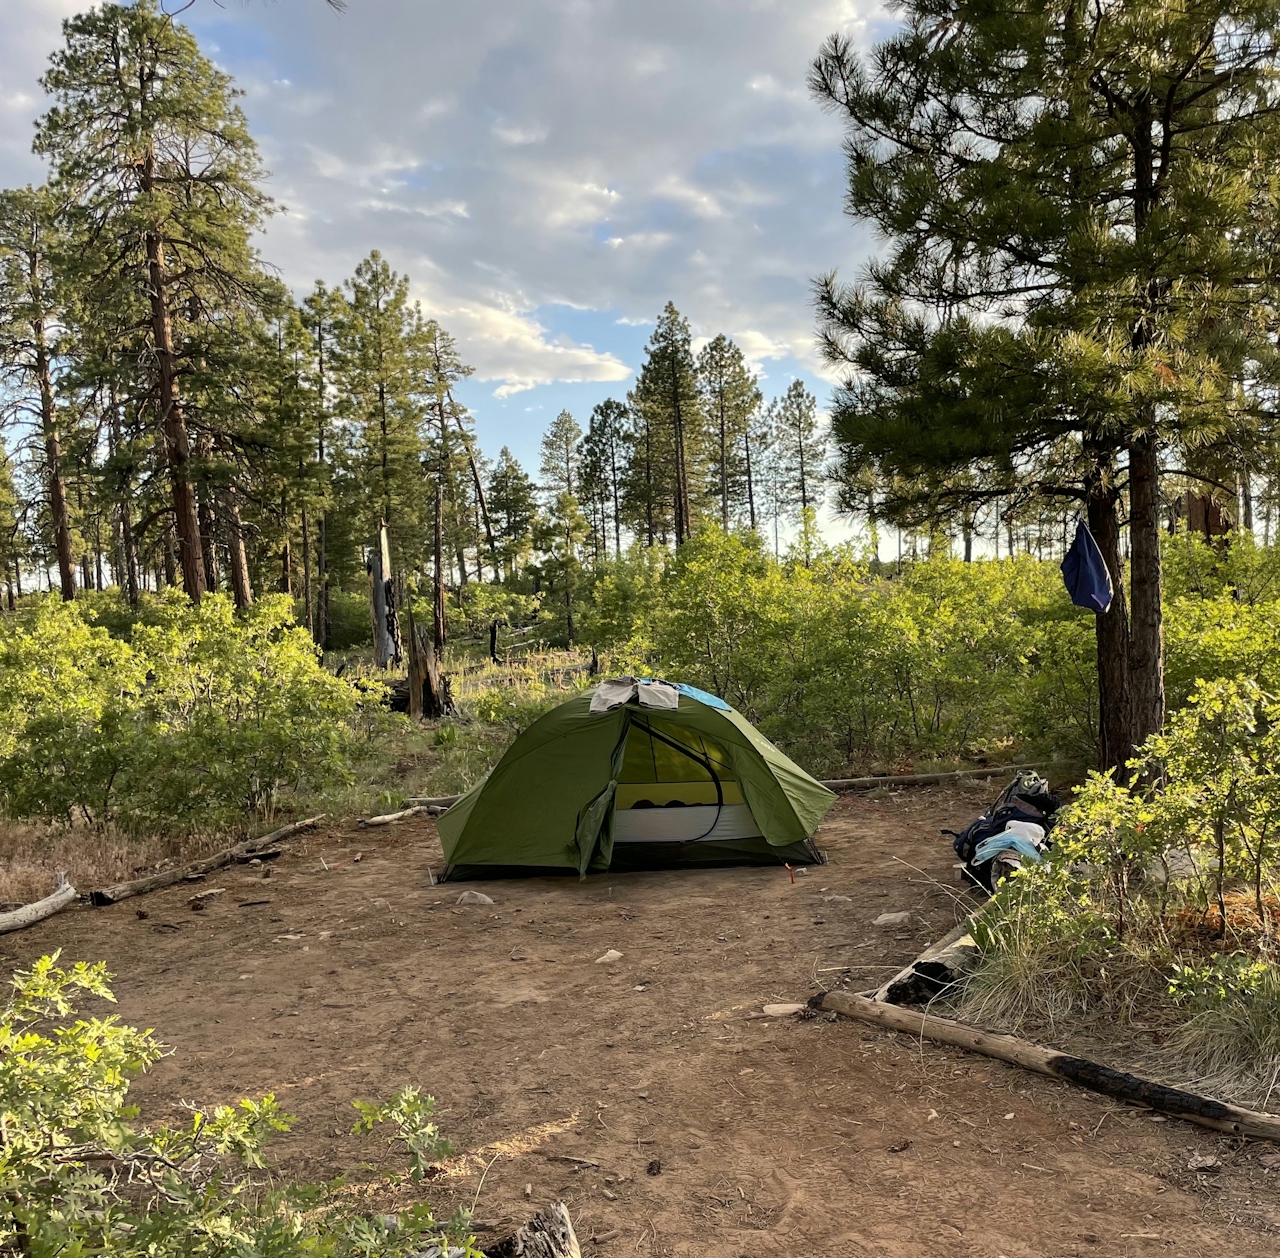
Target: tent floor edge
{"points": [[638, 857]]}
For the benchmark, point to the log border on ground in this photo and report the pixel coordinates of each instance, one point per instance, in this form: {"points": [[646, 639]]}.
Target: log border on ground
{"points": [[29, 914], [1217, 1115], [168, 877], [387, 819]]}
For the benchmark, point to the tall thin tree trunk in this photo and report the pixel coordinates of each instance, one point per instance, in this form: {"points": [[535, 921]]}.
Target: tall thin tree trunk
{"points": [[53, 454], [481, 500], [177, 446], [438, 624], [751, 486], [208, 534], [286, 550], [306, 574], [1111, 631], [648, 480], [682, 474], [170, 554], [613, 476], [237, 561], [724, 470], [1146, 646]]}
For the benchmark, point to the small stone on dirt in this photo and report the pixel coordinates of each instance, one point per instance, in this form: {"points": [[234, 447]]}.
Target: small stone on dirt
{"points": [[838, 899], [782, 1011], [1203, 1162], [609, 957], [901, 1147], [892, 919], [474, 897], [654, 1167]]}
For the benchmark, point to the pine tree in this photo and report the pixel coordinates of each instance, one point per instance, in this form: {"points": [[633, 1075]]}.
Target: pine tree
{"points": [[30, 316], [560, 456], [514, 506], [381, 370], [1079, 207], [666, 481], [145, 135], [456, 459], [604, 456], [801, 449], [730, 400], [321, 313]]}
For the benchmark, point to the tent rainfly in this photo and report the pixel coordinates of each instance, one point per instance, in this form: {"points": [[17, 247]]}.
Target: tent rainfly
{"points": [[633, 775]]}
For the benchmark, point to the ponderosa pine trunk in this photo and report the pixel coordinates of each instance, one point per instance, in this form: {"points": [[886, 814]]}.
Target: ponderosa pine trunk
{"points": [[177, 446], [1111, 629], [1146, 640], [58, 513], [306, 574], [237, 560], [682, 512], [438, 623]]}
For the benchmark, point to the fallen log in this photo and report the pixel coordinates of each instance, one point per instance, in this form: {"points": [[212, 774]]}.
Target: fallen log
{"points": [[387, 818], [927, 779], [549, 1234], [939, 966], [166, 878], [38, 910], [1218, 1115]]}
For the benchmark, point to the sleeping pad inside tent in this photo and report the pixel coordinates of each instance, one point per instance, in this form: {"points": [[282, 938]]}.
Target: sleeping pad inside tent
{"points": [[634, 775]]}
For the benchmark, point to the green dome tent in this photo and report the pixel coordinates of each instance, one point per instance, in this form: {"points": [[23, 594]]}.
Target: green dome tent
{"points": [[635, 775]]}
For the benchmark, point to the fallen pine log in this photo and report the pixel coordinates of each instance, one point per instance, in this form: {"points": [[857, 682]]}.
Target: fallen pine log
{"points": [[387, 818], [1218, 1115], [938, 967], [166, 878], [38, 910], [549, 1234], [926, 779]]}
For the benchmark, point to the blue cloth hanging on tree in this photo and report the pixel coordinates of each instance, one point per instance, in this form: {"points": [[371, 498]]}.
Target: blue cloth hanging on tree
{"points": [[1085, 572]]}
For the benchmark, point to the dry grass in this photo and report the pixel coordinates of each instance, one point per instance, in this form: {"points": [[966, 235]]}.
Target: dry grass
{"points": [[32, 856]]}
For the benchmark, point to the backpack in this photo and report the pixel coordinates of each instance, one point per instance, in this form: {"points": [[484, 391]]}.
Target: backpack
{"points": [[1026, 798]]}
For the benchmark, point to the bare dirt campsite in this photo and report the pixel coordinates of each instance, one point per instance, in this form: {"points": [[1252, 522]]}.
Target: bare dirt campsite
{"points": [[650, 1093]]}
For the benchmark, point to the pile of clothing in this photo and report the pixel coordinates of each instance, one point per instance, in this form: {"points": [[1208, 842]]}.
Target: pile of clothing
{"points": [[1016, 828]]}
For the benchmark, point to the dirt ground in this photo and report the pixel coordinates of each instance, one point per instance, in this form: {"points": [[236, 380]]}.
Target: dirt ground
{"points": [[650, 1093]]}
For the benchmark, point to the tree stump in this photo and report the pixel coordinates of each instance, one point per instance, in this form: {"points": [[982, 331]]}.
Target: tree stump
{"points": [[549, 1234]]}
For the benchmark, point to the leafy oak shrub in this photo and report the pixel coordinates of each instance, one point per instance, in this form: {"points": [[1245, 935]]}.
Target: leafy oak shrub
{"points": [[192, 717], [79, 1176]]}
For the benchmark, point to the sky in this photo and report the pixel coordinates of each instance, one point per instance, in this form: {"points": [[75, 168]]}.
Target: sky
{"points": [[548, 173]]}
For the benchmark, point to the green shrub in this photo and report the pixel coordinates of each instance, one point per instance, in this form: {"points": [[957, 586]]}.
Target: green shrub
{"points": [[198, 717], [1158, 902], [78, 1177]]}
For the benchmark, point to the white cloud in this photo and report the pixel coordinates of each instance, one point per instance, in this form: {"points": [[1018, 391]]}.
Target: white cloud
{"points": [[518, 155]]}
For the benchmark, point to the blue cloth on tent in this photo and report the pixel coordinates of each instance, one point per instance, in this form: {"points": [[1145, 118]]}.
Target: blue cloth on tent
{"points": [[702, 696], [1085, 572]]}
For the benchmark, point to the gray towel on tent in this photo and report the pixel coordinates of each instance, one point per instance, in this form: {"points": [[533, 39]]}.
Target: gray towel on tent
{"points": [[619, 690], [657, 694], [613, 693]]}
